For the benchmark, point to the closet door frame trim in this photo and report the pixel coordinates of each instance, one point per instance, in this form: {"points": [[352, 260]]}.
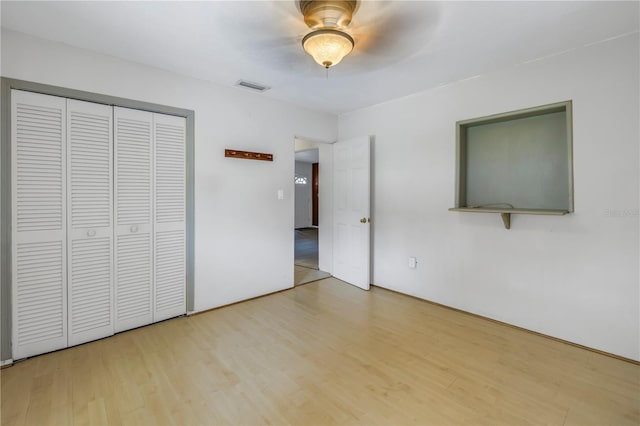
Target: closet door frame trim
{"points": [[5, 186]]}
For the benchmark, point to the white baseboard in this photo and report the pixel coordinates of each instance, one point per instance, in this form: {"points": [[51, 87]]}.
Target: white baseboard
{"points": [[6, 362]]}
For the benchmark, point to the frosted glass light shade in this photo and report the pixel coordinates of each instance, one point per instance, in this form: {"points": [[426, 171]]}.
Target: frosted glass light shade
{"points": [[327, 46]]}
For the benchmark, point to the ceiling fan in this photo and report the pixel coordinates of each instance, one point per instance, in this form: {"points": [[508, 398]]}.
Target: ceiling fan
{"points": [[380, 31], [328, 43], [375, 33]]}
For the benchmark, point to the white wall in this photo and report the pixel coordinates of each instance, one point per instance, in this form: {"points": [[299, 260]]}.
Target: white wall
{"points": [[574, 277], [244, 235], [303, 196]]}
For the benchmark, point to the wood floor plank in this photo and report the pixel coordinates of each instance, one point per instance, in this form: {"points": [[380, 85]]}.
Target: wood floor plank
{"points": [[323, 353]]}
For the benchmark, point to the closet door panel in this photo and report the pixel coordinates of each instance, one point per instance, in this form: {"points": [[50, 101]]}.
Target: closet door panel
{"points": [[38, 188], [170, 216], [133, 218], [90, 207]]}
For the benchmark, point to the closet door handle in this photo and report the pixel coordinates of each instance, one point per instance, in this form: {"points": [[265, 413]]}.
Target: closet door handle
{"points": [[134, 228], [91, 232]]}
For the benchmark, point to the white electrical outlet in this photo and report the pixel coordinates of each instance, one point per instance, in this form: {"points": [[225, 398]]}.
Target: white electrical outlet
{"points": [[280, 194], [413, 262]]}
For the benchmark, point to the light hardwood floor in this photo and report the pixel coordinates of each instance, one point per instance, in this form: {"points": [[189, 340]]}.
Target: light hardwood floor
{"points": [[323, 353]]}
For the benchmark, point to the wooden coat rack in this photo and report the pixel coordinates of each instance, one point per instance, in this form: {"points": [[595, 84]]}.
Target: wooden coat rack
{"points": [[247, 155]]}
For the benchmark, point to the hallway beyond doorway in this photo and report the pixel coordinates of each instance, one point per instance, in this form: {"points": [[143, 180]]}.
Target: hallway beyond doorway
{"points": [[306, 247], [306, 257]]}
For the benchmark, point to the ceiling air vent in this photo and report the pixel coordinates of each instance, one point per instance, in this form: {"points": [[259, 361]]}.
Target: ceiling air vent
{"points": [[252, 86]]}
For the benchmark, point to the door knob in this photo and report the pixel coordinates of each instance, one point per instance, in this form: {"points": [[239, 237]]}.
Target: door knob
{"points": [[363, 220], [91, 233]]}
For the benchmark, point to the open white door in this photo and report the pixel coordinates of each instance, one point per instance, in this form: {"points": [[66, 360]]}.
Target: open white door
{"points": [[351, 199]]}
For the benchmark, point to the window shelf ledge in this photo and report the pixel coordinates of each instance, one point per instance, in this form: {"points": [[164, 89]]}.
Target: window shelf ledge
{"points": [[505, 213]]}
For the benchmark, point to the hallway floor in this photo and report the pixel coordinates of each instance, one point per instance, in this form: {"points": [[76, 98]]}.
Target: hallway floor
{"points": [[306, 252], [306, 247]]}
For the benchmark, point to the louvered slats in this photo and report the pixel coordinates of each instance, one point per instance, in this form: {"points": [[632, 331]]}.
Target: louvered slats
{"points": [[98, 220], [40, 293], [170, 173], [134, 220], [90, 234], [169, 232], [134, 279], [39, 154], [90, 278], [38, 232], [134, 170], [90, 167], [170, 270]]}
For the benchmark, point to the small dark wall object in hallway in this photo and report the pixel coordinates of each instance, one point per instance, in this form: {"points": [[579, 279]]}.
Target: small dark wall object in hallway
{"points": [[314, 194]]}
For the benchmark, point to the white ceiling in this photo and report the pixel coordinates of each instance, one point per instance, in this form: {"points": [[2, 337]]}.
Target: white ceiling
{"points": [[402, 47]]}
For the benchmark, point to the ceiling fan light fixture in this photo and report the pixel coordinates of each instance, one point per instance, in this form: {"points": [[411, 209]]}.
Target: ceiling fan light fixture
{"points": [[327, 13], [327, 46]]}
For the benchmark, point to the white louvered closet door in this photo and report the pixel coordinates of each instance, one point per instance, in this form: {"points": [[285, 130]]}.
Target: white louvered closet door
{"points": [[38, 188], [133, 218], [169, 212], [90, 225]]}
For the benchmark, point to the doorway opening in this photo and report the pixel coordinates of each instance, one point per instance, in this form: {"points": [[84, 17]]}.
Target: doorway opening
{"points": [[307, 222]]}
